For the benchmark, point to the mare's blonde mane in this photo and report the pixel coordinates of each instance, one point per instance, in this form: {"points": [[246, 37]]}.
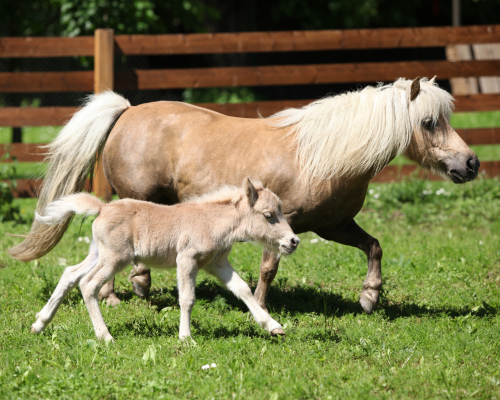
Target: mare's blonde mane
{"points": [[356, 132]]}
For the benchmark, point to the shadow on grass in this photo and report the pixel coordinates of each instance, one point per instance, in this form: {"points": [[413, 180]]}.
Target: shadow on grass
{"points": [[282, 300]]}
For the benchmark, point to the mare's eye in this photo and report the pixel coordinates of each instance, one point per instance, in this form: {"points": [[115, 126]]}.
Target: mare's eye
{"points": [[428, 123], [267, 214]]}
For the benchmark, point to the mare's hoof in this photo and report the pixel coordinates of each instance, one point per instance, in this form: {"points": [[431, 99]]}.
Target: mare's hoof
{"points": [[141, 285], [368, 300], [277, 332], [112, 300]]}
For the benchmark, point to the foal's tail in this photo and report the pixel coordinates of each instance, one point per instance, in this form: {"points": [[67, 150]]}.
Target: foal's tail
{"points": [[71, 156], [60, 210]]}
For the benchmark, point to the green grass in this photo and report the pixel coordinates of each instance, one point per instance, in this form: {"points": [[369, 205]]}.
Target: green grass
{"points": [[435, 334]]}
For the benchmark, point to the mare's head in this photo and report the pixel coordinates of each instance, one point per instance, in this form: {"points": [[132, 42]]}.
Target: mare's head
{"points": [[434, 144], [265, 219]]}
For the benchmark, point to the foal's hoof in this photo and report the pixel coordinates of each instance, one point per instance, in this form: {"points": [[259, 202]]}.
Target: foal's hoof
{"points": [[277, 332], [368, 300], [112, 300]]}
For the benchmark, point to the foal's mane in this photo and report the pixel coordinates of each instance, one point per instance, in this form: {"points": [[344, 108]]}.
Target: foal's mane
{"points": [[225, 194], [355, 132]]}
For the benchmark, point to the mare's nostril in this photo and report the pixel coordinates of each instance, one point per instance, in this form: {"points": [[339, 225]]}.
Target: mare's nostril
{"points": [[473, 163], [295, 241]]}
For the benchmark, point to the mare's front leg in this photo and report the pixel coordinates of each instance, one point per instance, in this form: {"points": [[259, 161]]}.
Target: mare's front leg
{"points": [[225, 272], [187, 270], [268, 269], [353, 235]]}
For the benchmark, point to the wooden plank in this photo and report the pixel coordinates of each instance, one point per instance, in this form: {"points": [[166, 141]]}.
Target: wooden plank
{"points": [[253, 41], [299, 74], [246, 76], [33, 82], [27, 47], [394, 173], [23, 152], [103, 80], [306, 40], [477, 102], [40, 116], [30, 187], [479, 136]]}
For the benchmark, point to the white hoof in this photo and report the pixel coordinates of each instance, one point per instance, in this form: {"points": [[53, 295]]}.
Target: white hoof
{"points": [[37, 327]]}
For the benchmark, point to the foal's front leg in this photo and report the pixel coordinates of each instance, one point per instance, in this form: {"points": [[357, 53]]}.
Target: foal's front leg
{"points": [[187, 270], [225, 272], [353, 235]]}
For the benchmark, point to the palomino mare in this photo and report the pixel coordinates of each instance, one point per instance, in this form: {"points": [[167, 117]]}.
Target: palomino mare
{"points": [[195, 235], [318, 159]]}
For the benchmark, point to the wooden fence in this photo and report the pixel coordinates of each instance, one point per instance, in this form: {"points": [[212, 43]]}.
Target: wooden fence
{"points": [[103, 45]]}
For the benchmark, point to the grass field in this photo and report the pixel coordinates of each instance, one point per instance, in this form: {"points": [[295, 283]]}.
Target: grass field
{"points": [[435, 334]]}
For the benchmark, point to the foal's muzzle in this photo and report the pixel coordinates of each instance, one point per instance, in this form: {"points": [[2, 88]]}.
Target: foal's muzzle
{"points": [[291, 245]]}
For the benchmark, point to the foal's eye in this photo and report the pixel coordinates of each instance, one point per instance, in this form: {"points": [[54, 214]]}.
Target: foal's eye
{"points": [[428, 123], [267, 214]]}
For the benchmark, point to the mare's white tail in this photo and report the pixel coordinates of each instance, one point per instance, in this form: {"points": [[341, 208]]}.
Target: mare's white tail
{"points": [[71, 157], [64, 208]]}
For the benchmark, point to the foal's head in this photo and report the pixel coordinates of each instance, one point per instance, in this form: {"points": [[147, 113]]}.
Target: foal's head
{"points": [[434, 143], [266, 221]]}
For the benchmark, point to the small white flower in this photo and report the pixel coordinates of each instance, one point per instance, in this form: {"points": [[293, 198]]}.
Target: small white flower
{"points": [[480, 243], [370, 191], [314, 240], [80, 239], [376, 196], [63, 262], [213, 365], [87, 240], [206, 366]]}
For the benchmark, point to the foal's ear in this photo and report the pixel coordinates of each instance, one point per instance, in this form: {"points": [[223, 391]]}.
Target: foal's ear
{"points": [[250, 192], [415, 88], [433, 80]]}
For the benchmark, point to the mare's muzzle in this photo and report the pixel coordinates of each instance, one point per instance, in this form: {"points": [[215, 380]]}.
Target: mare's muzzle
{"points": [[464, 172]]}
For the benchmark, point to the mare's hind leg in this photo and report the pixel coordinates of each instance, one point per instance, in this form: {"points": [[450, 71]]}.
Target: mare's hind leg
{"points": [[140, 276], [268, 269], [353, 235], [108, 265], [69, 279], [108, 292], [225, 272]]}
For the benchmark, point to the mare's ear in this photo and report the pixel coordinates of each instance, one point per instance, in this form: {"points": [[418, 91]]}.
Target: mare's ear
{"points": [[433, 80], [415, 88], [250, 192]]}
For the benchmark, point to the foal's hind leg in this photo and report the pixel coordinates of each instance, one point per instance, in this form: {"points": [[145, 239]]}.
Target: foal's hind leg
{"points": [[69, 279], [225, 272], [187, 270], [353, 235]]}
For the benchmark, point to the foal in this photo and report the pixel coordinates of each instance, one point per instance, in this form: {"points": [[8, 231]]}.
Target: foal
{"points": [[193, 235]]}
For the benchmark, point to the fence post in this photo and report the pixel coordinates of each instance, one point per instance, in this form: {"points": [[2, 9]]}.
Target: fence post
{"points": [[103, 80]]}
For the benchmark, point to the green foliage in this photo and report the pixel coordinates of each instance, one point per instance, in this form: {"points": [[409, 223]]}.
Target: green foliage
{"points": [[131, 17], [219, 95], [8, 210]]}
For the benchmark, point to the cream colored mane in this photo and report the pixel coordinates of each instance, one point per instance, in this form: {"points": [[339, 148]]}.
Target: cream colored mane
{"points": [[356, 132], [224, 194]]}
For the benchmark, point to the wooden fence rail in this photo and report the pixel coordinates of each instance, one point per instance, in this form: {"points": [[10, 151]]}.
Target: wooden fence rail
{"points": [[104, 45], [254, 42]]}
